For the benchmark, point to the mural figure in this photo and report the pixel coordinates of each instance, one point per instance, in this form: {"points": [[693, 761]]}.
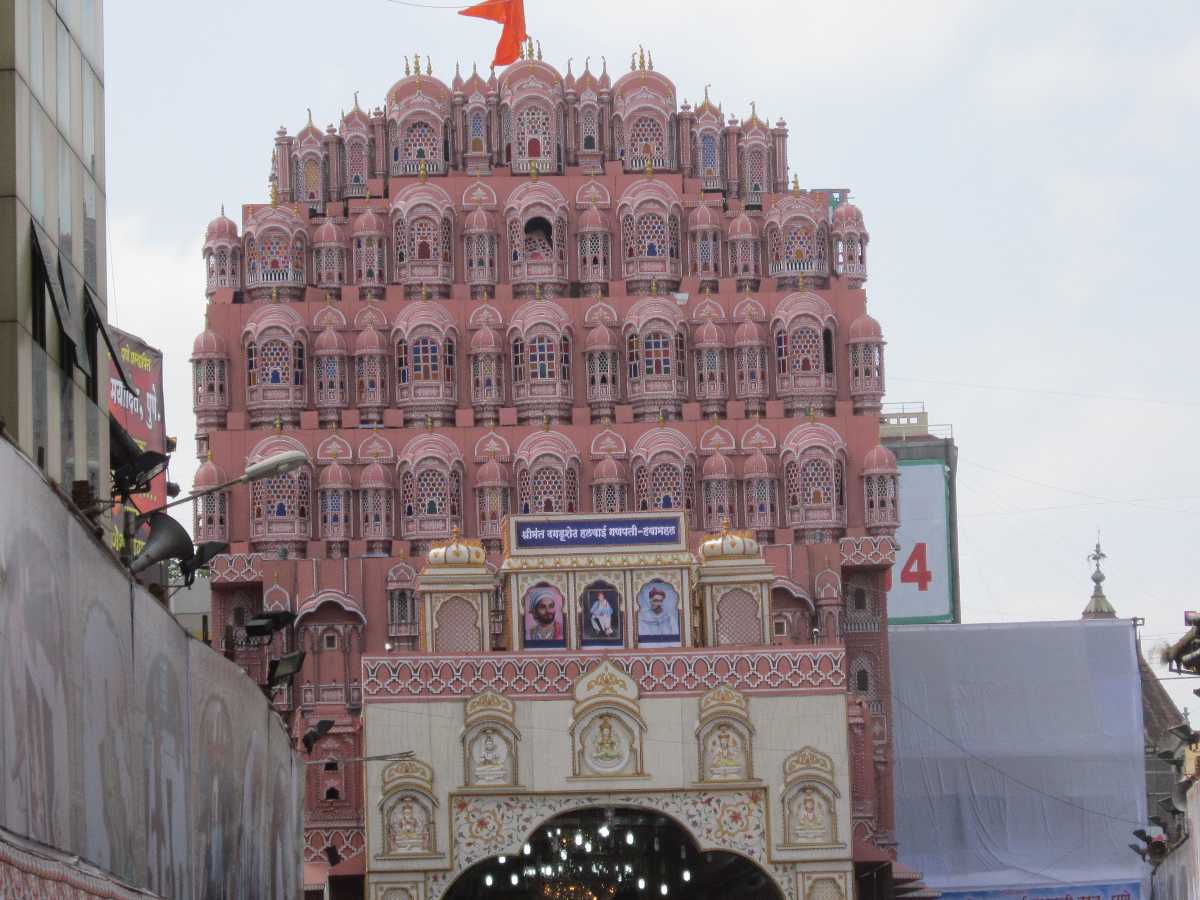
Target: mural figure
{"points": [[608, 750], [408, 828], [658, 614], [810, 823], [491, 759], [544, 617], [602, 616], [726, 760]]}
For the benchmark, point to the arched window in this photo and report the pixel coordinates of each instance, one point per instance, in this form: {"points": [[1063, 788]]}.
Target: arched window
{"points": [[298, 364], [862, 681], [420, 141], [251, 371], [657, 347], [805, 345], [425, 361], [652, 235], [518, 359], [432, 492], [564, 358], [402, 374], [449, 367], [274, 363], [633, 355], [533, 132], [541, 358]]}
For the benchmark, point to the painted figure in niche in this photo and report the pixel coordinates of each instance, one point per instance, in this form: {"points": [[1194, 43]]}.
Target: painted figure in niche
{"points": [[491, 759], [602, 616], [810, 821], [608, 749], [726, 760], [543, 617], [407, 828], [658, 614]]}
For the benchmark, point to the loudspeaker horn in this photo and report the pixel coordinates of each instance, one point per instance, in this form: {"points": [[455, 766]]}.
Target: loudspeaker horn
{"points": [[168, 540]]}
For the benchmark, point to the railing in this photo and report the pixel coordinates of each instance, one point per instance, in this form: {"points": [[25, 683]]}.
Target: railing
{"points": [[524, 166], [403, 629], [818, 517], [712, 183], [355, 190], [602, 393], [221, 281], [754, 198], [541, 389], [712, 389], [481, 275], [658, 386], [263, 275], [798, 267], [538, 270], [413, 167], [638, 163], [650, 266], [853, 269], [430, 526]]}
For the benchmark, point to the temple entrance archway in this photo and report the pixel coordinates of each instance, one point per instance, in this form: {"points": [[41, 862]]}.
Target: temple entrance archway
{"points": [[614, 853]]}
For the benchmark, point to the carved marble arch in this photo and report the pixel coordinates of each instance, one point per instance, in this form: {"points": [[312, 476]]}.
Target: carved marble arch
{"points": [[708, 310], [276, 443], [490, 742], [401, 575], [717, 439], [724, 737], [376, 447], [749, 308], [492, 446], [479, 195], [456, 627], [738, 618], [664, 471], [407, 810], [809, 800], [485, 316], [600, 314], [335, 448], [608, 443], [756, 437], [370, 317], [275, 598], [329, 316], [592, 193], [607, 729]]}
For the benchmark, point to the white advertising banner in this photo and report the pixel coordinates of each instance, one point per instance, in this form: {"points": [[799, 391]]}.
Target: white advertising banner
{"points": [[921, 586]]}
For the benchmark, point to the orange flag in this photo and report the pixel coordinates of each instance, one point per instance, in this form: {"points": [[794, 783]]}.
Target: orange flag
{"points": [[510, 14]]}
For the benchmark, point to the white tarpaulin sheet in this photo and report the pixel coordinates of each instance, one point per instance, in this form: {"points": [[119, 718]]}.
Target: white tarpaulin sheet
{"points": [[1019, 755]]}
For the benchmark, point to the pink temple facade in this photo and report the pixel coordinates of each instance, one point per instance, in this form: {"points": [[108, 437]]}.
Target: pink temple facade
{"points": [[543, 294]]}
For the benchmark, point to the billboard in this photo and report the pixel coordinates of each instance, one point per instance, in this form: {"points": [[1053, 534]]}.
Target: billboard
{"points": [[921, 584], [140, 414]]}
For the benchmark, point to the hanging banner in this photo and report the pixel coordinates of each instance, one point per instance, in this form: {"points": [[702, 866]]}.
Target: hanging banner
{"points": [[921, 588], [566, 532]]}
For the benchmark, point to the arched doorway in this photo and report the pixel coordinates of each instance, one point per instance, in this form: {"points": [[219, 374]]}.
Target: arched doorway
{"points": [[614, 853]]}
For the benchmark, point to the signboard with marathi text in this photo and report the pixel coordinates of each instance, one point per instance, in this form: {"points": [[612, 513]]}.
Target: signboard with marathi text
{"points": [[921, 587], [656, 530], [140, 414]]}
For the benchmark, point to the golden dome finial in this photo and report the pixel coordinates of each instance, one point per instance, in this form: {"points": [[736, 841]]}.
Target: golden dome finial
{"points": [[274, 295], [428, 65], [454, 534], [210, 455], [633, 61], [724, 525], [796, 184], [545, 423], [753, 111], [537, 292], [429, 423], [375, 454], [662, 417], [812, 413], [653, 286], [529, 48], [424, 292], [310, 121], [649, 60], [334, 452], [422, 171], [407, 71], [641, 58], [706, 87], [539, 48], [278, 423], [533, 170], [356, 100], [649, 170]]}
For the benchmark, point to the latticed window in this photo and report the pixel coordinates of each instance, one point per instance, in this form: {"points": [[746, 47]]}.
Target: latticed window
{"points": [[564, 358], [492, 507], [680, 356], [518, 360], [751, 368], [717, 502], [666, 487], [743, 257], [251, 369], [450, 361], [331, 383], [756, 170], [641, 484], [402, 370], [298, 364], [673, 236], [816, 483], [402, 612], [297, 260], [284, 497], [432, 490], [800, 244], [652, 235], [311, 174], [629, 236], [805, 346], [541, 358], [447, 240], [274, 363], [506, 132], [210, 515], [356, 160], [368, 259], [705, 261], [709, 160], [476, 131], [633, 356], [420, 141], [425, 362], [368, 375], [376, 512], [587, 127], [618, 136], [523, 489], [608, 498], [424, 236], [516, 242], [334, 513], [537, 246], [572, 490], [657, 347], [209, 381], [601, 370], [400, 241], [546, 489], [593, 256], [646, 138], [275, 252], [760, 502], [781, 352], [533, 132]]}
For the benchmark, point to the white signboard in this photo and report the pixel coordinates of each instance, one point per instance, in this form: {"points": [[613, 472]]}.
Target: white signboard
{"points": [[920, 588]]}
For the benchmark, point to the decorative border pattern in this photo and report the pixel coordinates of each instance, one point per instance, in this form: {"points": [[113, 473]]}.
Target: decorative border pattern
{"points": [[868, 551], [30, 873], [487, 825], [228, 568], [552, 676], [349, 842]]}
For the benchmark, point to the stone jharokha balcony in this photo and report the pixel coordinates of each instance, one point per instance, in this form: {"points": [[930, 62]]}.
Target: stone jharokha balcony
{"points": [[817, 668], [783, 267]]}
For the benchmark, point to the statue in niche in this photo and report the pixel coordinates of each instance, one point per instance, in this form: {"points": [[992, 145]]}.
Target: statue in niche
{"points": [[490, 759], [608, 747], [408, 828], [726, 759], [810, 820]]}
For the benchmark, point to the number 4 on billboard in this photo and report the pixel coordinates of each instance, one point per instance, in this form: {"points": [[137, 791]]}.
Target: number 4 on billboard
{"points": [[914, 571]]}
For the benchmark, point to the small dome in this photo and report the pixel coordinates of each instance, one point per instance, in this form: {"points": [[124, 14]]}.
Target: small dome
{"points": [[608, 471], [848, 217], [491, 474], [742, 227], [457, 552], [334, 475], [368, 222], [864, 328], [717, 466], [757, 466], [729, 544], [329, 342], [221, 229], [709, 335], [209, 345], [328, 233], [703, 217], [593, 219], [369, 340], [600, 337], [749, 334], [208, 475], [375, 475], [880, 461], [479, 221], [485, 340]]}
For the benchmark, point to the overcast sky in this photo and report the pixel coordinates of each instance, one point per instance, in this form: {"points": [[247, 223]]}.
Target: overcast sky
{"points": [[1024, 170]]}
